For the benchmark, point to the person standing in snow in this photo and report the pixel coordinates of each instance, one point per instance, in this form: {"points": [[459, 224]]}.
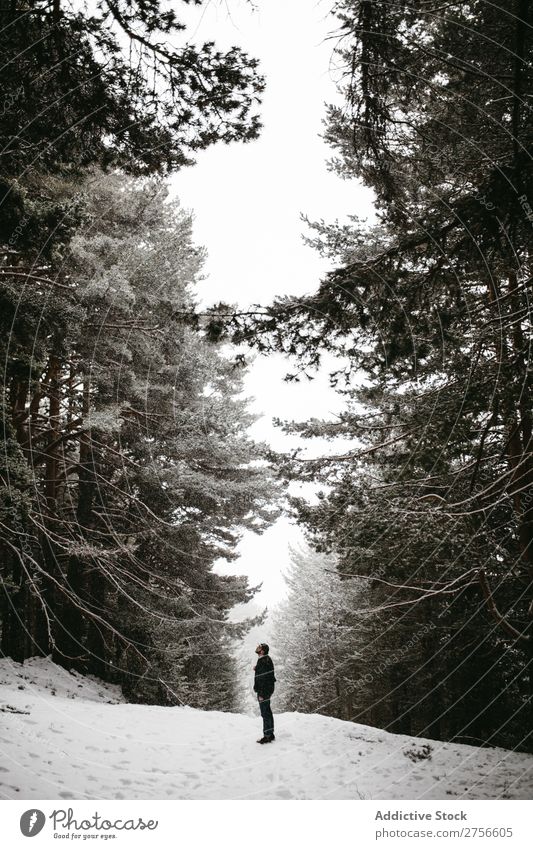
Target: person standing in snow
{"points": [[264, 687]]}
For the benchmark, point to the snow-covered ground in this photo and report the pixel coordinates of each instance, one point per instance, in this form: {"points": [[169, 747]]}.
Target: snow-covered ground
{"points": [[63, 736]]}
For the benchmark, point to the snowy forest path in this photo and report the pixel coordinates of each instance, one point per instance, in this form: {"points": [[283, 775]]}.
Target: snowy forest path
{"points": [[68, 737]]}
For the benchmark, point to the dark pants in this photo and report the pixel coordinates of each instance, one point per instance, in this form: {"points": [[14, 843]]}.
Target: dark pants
{"points": [[268, 719]]}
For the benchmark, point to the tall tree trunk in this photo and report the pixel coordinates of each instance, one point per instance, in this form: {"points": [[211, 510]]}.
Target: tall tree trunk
{"points": [[521, 462], [51, 593], [73, 627], [14, 602], [52, 449], [519, 423], [97, 634]]}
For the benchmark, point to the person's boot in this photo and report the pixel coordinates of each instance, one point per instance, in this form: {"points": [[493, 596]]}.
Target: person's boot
{"points": [[266, 739]]}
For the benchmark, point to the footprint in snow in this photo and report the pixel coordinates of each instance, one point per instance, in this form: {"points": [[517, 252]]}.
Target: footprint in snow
{"points": [[283, 793]]}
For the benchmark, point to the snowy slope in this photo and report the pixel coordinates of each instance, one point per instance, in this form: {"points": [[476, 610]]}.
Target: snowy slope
{"points": [[63, 736]]}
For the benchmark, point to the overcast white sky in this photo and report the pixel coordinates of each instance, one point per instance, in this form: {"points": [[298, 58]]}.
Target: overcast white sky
{"points": [[247, 201]]}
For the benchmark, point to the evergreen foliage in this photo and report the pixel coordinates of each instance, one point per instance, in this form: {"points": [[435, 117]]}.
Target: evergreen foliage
{"points": [[141, 474], [126, 468], [429, 313]]}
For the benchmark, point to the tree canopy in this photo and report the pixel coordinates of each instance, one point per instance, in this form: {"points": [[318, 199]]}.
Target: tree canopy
{"points": [[428, 312], [127, 470]]}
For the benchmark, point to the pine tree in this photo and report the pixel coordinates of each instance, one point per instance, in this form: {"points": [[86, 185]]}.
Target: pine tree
{"points": [[430, 306], [318, 648], [142, 471]]}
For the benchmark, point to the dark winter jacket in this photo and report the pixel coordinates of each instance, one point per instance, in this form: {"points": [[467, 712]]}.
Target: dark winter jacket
{"points": [[264, 677]]}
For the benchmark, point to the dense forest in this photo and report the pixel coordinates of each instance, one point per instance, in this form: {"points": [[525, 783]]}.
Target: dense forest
{"points": [[127, 469], [427, 515]]}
